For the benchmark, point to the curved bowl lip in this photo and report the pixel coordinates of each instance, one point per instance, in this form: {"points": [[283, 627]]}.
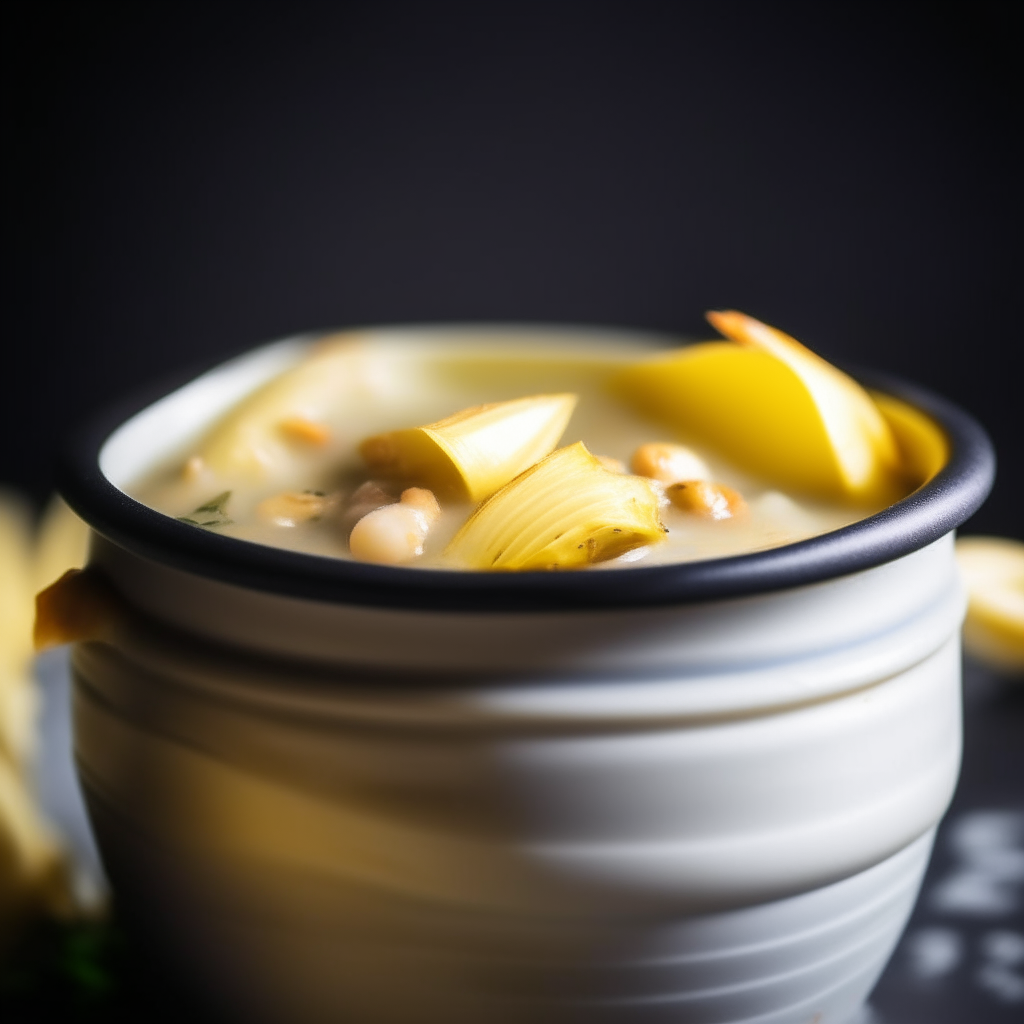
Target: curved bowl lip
{"points": [[922, 517]]}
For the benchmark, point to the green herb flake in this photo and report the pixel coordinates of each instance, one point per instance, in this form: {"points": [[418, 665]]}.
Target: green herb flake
{"points": [[211, 513], [215, 504]]}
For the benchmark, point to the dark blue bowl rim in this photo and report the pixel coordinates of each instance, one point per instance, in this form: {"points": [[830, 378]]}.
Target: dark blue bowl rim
{"points": [[927, 514]]}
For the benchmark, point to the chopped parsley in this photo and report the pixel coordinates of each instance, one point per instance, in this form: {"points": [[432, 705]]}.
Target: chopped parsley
{"points": [[210, 514]]}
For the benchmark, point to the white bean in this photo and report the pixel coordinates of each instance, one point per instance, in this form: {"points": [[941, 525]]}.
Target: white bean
{"points": [[389, 535]]}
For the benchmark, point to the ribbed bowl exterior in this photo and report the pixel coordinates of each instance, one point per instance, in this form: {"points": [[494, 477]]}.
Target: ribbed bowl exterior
{"points": [[711, 812]]}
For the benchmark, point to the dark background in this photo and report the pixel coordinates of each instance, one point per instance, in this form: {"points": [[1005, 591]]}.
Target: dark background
{"points": [[186, 180]]}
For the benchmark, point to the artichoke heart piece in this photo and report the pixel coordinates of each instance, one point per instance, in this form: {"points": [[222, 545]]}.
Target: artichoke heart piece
{"points": [[471, 454], [565, 512]]}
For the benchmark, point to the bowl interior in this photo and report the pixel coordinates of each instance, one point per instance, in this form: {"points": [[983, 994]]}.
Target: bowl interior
{"points": [[115, 449]]}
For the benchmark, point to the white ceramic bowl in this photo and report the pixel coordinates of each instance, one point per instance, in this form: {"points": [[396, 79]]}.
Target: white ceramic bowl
{"points": [[691, 793]]}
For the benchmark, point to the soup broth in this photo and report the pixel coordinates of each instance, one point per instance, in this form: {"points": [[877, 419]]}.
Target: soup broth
{"points": [[308, 447]]}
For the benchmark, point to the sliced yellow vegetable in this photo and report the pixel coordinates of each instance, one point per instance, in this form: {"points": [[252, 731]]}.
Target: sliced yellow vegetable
{"points": [[993, 569], [259, 434], [16, 579], [33, 872], [17, 696], [471, 454], [773, 407], [61, 544], [922, 443], [565, 512]]}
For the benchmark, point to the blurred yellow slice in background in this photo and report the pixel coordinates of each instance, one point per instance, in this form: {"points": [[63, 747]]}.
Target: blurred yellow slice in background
{"points": [[34, 872], [993, 570], [61, 544], [17, 703]]}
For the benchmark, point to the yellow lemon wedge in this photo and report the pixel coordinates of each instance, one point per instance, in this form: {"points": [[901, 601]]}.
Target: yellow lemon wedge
{"points": [[565, 512], [993, 570], [774, 408], [922, 443], [471, 454]]}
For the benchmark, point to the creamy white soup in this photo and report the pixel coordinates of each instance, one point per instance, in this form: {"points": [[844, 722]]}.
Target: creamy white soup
{"points": [[298, 464]]}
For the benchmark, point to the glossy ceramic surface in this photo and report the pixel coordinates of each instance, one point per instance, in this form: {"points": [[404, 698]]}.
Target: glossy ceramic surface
{"points": [[701, 810]]}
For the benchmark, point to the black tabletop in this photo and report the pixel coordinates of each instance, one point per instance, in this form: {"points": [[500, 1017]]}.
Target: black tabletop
{"points": [[961, 958]]}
